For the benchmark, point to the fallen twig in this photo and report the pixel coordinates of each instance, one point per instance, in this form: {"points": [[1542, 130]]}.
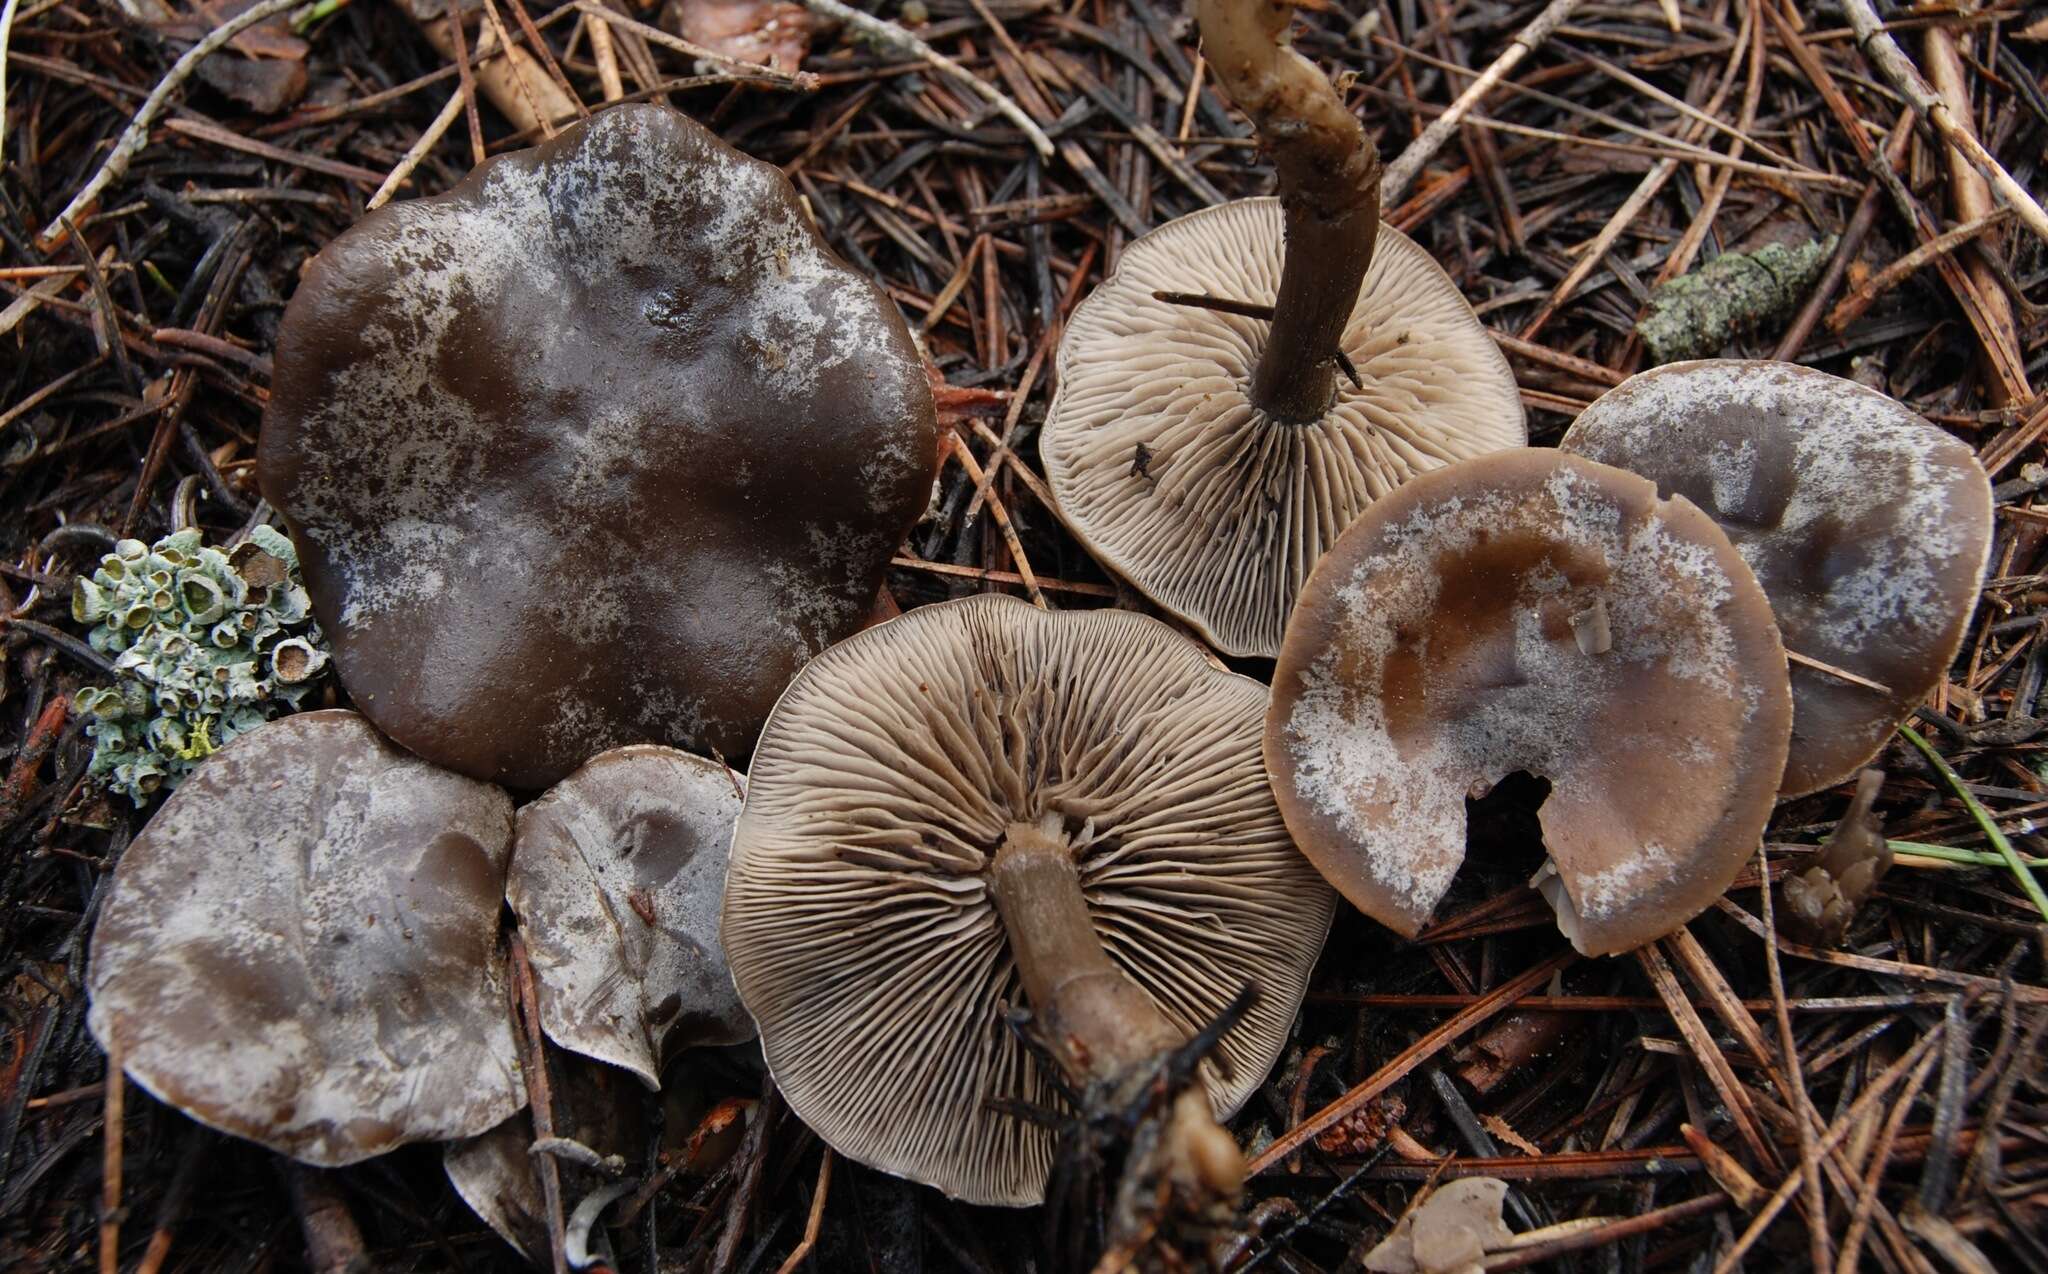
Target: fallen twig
{"points": [[1891, 62], [1400, 174], [431, 138], [1495, 1001], [1853, 305], [888, 33], [136, 135]]}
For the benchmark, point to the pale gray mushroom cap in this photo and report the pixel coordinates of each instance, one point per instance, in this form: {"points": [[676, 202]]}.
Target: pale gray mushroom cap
{"points": [[301, 947], [617, 878], [1223, 514], [1533, 611], [858, 914], [1868, 527]]}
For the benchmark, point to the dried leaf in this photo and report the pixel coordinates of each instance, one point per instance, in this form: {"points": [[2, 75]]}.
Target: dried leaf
{"points": [[266, 85], [1449, 1232], [1819, 903], [765, 32]]}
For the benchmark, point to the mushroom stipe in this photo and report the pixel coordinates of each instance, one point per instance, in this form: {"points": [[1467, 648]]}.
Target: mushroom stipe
{"points": [[1233, 507], [980, 805]]}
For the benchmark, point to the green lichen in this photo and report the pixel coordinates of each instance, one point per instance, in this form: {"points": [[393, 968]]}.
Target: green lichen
{"points": [[1735, 294], [206, 645]]}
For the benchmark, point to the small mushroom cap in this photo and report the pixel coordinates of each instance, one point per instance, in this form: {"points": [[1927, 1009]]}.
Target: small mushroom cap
{"points": [[301, 948], [1163, 467], [1447, 641], [858, 914], [1868, 527], [617, 877], [597, 448]]}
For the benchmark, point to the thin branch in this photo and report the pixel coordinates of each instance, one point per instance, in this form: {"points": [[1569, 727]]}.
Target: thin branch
{"points": [[1401, 174], [411, 160], [888, 33], [1891, 62], [1853, 305], [137, 133]]}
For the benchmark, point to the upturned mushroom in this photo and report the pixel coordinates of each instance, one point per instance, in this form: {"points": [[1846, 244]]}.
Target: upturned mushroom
{"points": [[1867, 526], [1202, 443], [1532, 611], [617, 878], [597, 448], [301, 947], [981, 805]]}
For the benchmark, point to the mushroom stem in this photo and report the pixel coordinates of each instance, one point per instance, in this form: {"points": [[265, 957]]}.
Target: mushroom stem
{"points": [[1101, 1026], [1097, 1022], [1329, 192]]}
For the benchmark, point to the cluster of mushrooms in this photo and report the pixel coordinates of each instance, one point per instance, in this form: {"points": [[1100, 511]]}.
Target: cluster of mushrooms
{"points": [[594, 465]]}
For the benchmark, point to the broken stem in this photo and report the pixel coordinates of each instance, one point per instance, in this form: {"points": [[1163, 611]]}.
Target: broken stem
{"points": [[1104, 1030], [1329, 196]]}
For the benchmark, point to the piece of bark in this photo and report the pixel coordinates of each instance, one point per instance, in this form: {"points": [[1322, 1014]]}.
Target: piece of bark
{"points": [[1736, 293]]}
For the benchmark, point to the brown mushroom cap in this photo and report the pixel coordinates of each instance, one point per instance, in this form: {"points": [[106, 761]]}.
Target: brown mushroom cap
{"points": [[858, 916], [1163, 467], [1533, 611], [1867, 526], [597, 448], [617, 878], [301, 947]]}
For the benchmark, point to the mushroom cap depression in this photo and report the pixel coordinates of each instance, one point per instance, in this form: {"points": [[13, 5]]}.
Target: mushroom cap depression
{"points": [[1867, 526], [301, 948], [617, 878], [859, 920], [1532, 611], [1163, 467], [597, 448]]}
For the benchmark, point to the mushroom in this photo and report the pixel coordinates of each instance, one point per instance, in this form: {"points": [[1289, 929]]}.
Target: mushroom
{"points": [[1868, 527], [1818, 904], [981, 805], [1201, 445], [301, 947], [1441, 646], [617, 878], [597, 448]]}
